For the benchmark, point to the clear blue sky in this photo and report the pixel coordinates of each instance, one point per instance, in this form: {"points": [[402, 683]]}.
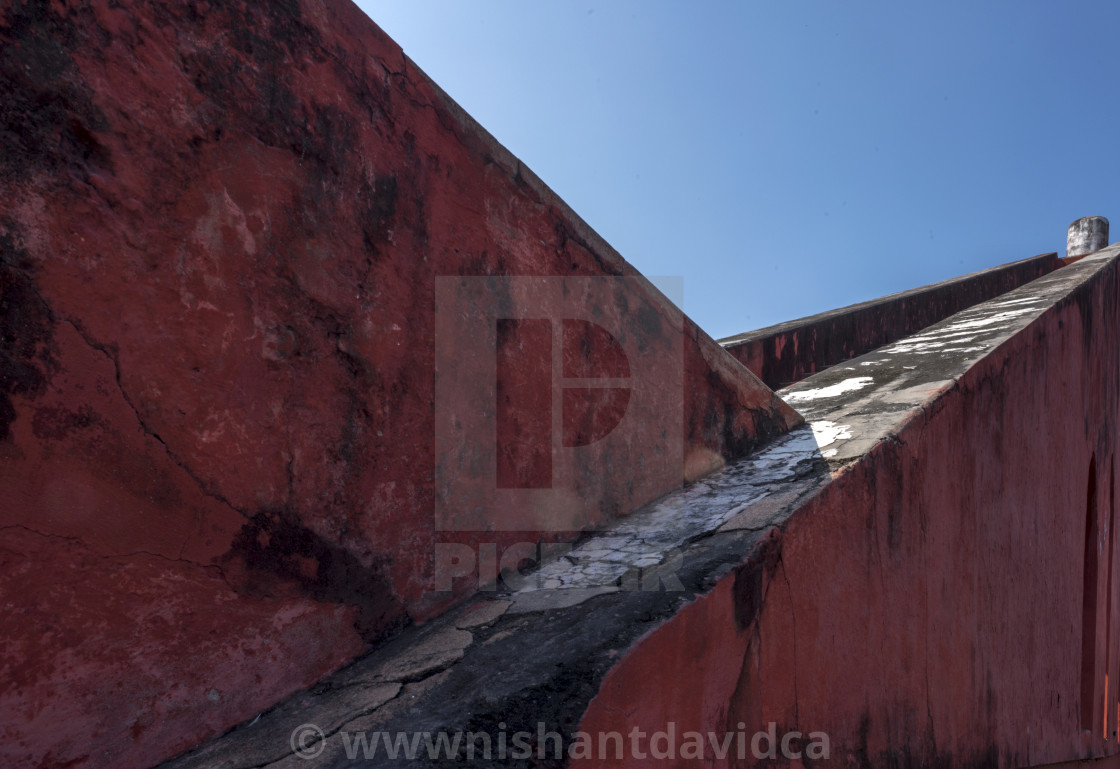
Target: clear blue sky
{"points": [[786, 158]]}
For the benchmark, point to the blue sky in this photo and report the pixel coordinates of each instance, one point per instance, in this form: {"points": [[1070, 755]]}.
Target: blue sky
{"points": [[787, 158]]}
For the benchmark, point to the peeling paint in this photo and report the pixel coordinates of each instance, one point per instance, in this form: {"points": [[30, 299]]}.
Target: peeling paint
{"points": [[831, 391]]}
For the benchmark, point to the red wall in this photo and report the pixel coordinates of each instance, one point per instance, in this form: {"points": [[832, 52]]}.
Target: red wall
{"points": [[927, 607], [222, 228], [787, 353]]}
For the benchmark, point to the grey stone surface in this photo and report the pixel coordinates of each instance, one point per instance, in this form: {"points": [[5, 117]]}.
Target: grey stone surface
{"points": [[549, 600], [537, 654], [433, 653], [483, 614], [268, 738], [1086, 235]]}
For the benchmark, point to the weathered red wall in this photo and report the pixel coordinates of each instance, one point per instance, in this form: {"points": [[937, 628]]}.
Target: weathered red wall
{"points": [[789, 352], [221, 230], [926, 608]]}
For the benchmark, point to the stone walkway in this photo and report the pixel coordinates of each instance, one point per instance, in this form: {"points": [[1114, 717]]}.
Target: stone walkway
{"points": [[537, 654]]}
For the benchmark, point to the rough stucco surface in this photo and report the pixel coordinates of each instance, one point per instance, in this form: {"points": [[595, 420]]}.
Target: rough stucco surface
{"points": [[788, 352], [1086, 235], [221, 230], [926, 606], [876, 575]]}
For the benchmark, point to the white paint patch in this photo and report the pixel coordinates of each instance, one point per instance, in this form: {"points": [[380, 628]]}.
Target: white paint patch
{"points": [[999, 317], [828, 433], [931, 342], [939, 337], [939, 348], [917, 347], [659, 530], [1024, 300], [848, 385]]}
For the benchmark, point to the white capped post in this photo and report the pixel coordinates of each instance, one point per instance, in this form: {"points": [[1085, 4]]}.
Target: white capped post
{"points": [[1086, 235]]}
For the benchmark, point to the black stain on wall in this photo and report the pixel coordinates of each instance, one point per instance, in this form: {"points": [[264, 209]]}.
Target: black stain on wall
{"points": [[26, 329], [280, 553]]}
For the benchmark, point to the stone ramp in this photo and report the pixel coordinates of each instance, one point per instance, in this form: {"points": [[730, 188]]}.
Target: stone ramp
{"points": [[224, 226], [788, 352], [562, 651]]}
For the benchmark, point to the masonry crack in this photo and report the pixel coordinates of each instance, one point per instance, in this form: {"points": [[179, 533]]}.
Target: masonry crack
{"points": [[144, 425], [107, 556], [327, 735], [169, 559], [33, 530]]}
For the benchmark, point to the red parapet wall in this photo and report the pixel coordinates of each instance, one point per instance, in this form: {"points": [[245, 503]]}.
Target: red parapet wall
{"points": [[219, 251], [787, 353], [951, 599]]}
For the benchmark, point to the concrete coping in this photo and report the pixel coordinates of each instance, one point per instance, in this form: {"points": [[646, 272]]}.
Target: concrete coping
{"points": [[881, 301], [537, 652]]}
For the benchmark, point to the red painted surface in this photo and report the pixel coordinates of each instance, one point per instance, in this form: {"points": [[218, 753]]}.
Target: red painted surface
{"points": [[222, 229], [688, 676], [926, 608], [789, 352]]}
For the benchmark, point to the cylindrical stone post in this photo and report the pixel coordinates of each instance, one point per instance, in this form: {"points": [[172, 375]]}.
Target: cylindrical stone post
{"points": [[1086, 235]]}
